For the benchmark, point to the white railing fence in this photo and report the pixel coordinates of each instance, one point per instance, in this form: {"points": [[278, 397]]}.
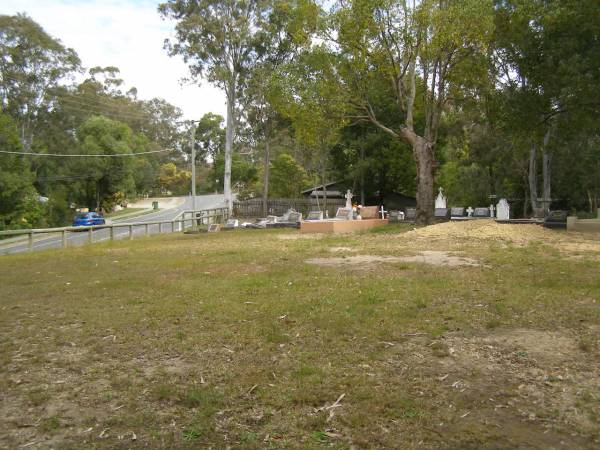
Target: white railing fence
{"points": [[181, 222]]}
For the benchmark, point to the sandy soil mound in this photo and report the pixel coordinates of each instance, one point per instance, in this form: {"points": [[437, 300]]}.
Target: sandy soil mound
{"points": [[484, 230]]}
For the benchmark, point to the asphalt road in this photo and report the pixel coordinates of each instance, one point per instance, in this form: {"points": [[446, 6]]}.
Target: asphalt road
{"points": [[82, 238]]}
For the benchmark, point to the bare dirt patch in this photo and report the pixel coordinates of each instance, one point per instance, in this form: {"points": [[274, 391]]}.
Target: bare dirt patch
{"points": [[541, 375], [296, 236], [342, 249], [435, 258]]}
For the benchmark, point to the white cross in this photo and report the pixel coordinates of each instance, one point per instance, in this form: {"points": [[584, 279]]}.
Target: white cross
{"points": [[382, 212], [470, 211]]}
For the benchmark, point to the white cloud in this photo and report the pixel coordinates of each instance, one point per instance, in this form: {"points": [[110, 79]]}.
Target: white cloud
{"points": [[128, 34]]}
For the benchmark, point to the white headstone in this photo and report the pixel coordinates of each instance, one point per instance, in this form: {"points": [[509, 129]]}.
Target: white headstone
{"points": [[440, 200], [470, 211], [382, 212], [232, 223], [348, 197], [492, 209], [503, 210]]}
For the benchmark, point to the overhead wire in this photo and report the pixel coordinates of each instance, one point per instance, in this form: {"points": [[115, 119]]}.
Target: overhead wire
{"points": [[92, 155], [98, 103], [83, 105]]}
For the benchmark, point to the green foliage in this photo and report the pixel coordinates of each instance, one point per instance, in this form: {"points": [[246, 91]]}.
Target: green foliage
{"points": [[105, 176], [54, 117], [244, 174], [210, 137], [288, 178], [19, 204], [32, 63], [173, 180]]}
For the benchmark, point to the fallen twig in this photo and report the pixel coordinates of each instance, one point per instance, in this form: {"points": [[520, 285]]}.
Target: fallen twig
{"points": [[252, 389], [335, 404]]}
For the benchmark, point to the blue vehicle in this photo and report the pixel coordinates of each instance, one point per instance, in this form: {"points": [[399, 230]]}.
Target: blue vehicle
{"points": [[87, 219]]}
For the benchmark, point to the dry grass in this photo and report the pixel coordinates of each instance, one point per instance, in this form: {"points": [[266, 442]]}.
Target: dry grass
{"points": [[232, 340]]}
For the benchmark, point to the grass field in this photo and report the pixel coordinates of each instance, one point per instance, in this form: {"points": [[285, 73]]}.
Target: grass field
{"points": [[272, 339]]}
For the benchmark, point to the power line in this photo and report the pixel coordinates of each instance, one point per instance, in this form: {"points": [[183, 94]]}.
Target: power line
{"points": [[86, 156], [78, 104], [103, 105], [64, 178]]}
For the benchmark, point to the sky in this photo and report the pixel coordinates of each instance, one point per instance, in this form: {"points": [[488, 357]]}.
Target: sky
{"points": [[128, 34]]}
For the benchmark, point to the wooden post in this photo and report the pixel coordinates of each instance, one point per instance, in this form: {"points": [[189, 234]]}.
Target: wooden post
{"points": [[64, 238], [30, 242], [112, 232], [160, 227], [172, 226], [90, 235], [130, 232], [146, 230]]}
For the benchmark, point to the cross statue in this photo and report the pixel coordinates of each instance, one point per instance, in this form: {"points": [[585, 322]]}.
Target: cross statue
{"points": [[382, 212], [492, 209], [470, 211], [348, 197]]}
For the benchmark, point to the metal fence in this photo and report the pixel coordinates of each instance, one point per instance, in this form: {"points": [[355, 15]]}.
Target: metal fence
{"points": [[181, 222], [278, 206]]}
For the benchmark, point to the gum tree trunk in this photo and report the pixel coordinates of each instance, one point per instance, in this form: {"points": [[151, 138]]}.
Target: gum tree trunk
{"points": [[229, 136], [423, 154], [533, 194], [362, 175], [265, 194], [547, 173]]}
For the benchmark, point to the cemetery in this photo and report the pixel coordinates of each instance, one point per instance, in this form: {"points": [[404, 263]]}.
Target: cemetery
{"points": [[363, 225], [352, 217]]}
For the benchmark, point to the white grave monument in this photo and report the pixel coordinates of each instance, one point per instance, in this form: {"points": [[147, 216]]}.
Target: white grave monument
{"points": [[470, 211], [503, 210], [492, 209], [440, 200], [348, 197], [382, 212]]}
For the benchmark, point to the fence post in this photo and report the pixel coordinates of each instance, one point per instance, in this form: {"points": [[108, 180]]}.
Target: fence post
{"points": [[172, 226], [30, 241], [146, 230], [130, 232], [160, 227], [90, 236], [64, 238], [112, 232]]}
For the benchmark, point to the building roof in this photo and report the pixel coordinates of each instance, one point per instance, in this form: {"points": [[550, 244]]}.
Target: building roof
{"points": [[320, 187]]}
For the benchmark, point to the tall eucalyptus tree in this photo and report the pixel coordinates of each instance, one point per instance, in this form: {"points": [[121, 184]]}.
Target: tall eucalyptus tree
{"points": [[220, 40], [429, 51]]}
